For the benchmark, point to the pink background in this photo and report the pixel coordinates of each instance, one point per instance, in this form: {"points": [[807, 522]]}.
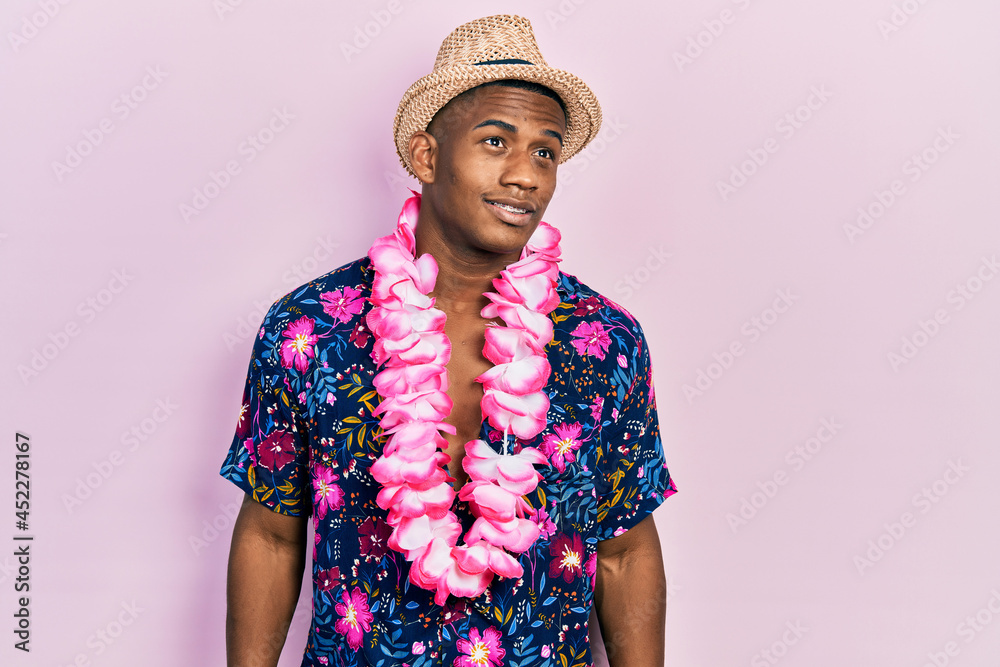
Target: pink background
{"points": [[644, 222]]}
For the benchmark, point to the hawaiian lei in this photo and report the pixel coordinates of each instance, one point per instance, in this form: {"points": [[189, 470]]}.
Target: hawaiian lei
{"points": [[410, 339]]}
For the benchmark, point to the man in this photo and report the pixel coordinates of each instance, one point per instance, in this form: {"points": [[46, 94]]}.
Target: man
{"points": [[474, 435]]}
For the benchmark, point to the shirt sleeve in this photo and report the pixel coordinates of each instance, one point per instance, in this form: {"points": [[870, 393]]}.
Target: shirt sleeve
{"points": [[269, 455], [633, 478]]}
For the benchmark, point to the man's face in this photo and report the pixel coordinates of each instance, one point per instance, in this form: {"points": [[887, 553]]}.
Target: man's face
{"points": [[495, 170]]}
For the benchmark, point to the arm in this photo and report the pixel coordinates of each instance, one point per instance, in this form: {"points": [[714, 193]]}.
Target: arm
{"points": [[630, 597], [266, 562]]}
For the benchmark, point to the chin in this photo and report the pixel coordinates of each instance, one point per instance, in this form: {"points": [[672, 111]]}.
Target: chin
{"points": [[507, 239]]}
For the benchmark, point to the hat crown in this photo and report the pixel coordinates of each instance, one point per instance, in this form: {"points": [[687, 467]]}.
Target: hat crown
{"points": [[505, 47], [489, 39]]}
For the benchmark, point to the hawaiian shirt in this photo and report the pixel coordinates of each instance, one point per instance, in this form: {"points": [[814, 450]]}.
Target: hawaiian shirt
{"points": [[306, 439]]}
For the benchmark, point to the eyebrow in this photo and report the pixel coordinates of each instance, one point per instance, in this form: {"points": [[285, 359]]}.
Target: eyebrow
{"points": [[507, 127]]}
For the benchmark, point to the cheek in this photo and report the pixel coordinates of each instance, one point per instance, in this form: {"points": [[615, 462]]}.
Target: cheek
{"points": [[464, 172], [475, 178], [547, 184]]}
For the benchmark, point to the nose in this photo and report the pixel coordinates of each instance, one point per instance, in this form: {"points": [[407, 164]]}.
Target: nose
{"points": [[519, 171]]}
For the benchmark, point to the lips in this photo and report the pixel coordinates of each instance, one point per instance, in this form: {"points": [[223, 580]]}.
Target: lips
{"points": [[511, 211], [508, 207]]}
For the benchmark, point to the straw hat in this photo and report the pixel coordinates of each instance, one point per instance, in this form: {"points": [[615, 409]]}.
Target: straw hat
{"points": [[490, 49]]}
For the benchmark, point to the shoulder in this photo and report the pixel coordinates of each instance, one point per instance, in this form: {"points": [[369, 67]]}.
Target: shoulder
{"points": [[597, 343], [580, 303], [599, 352], [340, 294], [319, 323]]}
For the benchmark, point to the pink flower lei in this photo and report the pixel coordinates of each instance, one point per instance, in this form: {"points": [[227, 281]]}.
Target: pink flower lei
{"points": [[410, 340]]}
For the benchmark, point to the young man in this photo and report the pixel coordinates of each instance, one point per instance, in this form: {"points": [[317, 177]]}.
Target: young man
{"points": [[473, 432]]}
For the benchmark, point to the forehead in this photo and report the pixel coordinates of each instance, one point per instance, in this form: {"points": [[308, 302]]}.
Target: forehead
{"points": [[506, 103]]}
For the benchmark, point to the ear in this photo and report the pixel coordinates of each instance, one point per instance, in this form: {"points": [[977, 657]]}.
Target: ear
{"points": [[423, 156]]}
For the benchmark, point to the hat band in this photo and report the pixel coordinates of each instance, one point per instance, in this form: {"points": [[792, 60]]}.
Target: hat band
{"points": [[507, 61]]}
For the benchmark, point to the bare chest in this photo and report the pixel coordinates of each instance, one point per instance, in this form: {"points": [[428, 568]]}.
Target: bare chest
{"points": [[467, 337]]}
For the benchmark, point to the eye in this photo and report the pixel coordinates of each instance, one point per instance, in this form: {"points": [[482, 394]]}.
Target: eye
{"points": [[547, 153], [494, 141]]}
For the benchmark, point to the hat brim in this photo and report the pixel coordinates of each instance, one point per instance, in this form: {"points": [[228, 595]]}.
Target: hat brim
{"points": [[428, 95]]}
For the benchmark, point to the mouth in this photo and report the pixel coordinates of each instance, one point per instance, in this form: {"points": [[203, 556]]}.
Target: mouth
{"points": [[512, 212]]}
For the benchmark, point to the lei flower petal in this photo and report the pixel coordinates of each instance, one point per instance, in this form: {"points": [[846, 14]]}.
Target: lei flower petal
{"points": [[398, 379], [412, 346], [523, 376], [504, 345], [524, 416], [544, 241], [516, 535]]}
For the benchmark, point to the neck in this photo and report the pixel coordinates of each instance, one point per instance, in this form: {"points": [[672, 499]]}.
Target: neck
{"points": [[464, 274]]}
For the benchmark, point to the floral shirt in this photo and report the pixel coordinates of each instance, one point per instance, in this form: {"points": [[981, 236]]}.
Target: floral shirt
{"points": [[306, 438]]}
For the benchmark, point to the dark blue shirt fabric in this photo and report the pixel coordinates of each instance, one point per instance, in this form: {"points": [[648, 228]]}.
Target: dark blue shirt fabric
{"points": [[306, 439]]}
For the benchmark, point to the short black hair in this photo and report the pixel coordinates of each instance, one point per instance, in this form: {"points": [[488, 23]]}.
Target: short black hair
{"points": [[529, 86]]}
